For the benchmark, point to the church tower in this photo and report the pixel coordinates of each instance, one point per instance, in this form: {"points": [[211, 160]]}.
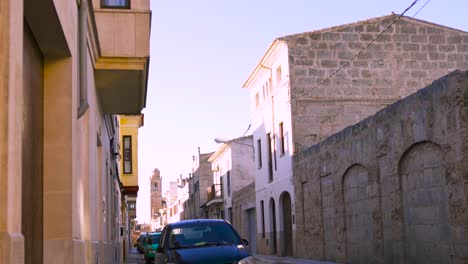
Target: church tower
{"points": [[156, 194]]}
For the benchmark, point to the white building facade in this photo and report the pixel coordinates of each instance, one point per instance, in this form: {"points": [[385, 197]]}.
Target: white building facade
{"points": [[273, 147], [233, 168]]}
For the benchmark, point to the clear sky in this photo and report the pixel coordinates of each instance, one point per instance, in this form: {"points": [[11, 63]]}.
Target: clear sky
{"points": [[202, 51]]}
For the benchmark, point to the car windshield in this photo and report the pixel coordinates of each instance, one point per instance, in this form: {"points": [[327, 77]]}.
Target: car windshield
{"points": [[154, 239], [201, 234]]}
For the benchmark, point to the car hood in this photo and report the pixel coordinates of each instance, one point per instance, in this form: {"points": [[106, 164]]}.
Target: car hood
{"points": [[209, 254]]}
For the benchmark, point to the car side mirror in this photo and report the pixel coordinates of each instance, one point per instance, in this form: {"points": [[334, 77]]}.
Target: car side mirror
{"points": [[159, 249], [246, 242]]}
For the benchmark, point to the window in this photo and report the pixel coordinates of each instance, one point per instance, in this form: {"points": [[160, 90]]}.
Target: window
{"points": [[262, 208], [278, 74], [229, 183], [230, 215], [281, 132], [257, 100], [131, 206], [259, 153], [115, 4], [271, 86], [127, 154], [267, 89], [270, 161]]}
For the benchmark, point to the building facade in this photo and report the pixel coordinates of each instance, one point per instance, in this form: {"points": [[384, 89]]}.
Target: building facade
{"points": [[129, 125], [232, 166], [65, 75], [178, 195], [201, 178], [127, 146], [299, 98]]}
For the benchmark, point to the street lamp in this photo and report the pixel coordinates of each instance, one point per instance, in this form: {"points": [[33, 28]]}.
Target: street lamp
{"points": [[233, 141], [221, 140]]}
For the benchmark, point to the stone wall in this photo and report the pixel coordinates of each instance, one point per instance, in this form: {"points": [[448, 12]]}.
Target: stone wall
{"points": [[392, 188], [409, 55]]}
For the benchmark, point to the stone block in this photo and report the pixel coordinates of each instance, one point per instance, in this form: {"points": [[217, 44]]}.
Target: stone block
{"points": [[401, 37], [447, 48], [411, 47], [407, 29], [437, 56], [434, 30], [329, 63], [349, 37], [436, 39], [454, 39], [421, 56], [331, 36], [462, 48], [418, 38], [360, 64]]}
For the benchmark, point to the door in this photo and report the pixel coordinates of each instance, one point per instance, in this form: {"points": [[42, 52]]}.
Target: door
{"points": [[252, 230], [273, 225], [32, 147], [287, 220]]}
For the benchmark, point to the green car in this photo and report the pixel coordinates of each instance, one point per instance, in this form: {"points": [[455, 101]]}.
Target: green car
{"points": [[152, 242]]}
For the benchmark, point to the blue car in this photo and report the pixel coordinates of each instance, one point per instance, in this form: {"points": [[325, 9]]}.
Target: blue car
{"points": [[208, 241]]}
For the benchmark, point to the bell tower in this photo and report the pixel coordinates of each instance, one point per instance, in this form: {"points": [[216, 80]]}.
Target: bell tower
{"points": [[156, 194]]}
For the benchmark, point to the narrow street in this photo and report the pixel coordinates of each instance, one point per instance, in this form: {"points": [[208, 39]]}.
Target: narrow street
{"points": [[137, 258], [134, 257]]}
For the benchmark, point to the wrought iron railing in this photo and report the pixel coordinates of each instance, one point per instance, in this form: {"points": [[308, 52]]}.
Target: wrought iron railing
{"points": [[214, 192]]}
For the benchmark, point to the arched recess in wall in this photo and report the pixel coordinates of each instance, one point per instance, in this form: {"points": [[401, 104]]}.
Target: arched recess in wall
{"points": [[286, 224], [273, 225], [362, 215], [424, 200]]}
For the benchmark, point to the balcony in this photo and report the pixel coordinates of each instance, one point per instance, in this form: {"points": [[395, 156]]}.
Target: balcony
{"points": [[122, 60], [214, 194]]}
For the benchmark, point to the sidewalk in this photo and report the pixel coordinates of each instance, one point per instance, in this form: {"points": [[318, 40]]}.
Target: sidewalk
{"points": [[134, 257], [267, 259]]}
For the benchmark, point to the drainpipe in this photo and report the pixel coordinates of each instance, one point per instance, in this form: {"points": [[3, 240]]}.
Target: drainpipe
{"points": [[272, 111], [83, 57]]}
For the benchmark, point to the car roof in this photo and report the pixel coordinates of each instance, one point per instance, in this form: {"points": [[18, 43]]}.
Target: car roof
{"points": [[194, 221]]}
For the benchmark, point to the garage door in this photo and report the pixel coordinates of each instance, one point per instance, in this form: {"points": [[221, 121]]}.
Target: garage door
{"points": [[252, 227]]}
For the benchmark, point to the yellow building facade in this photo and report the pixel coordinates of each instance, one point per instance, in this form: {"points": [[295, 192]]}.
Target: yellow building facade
{"points": [[129, 125], [68, 69]]}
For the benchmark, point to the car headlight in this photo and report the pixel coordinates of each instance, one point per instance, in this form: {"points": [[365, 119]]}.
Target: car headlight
{"points": [[247, 260]]}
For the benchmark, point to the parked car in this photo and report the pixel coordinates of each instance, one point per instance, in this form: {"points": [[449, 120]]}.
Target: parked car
{"points": [[152, 242], [141, 242], [212, 241]]}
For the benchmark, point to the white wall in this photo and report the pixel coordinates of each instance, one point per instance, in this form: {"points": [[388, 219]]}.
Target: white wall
{"points": [[266, 119]]}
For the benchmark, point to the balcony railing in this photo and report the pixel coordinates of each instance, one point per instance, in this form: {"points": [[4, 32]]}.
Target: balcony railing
{"points": [[214, 192]]}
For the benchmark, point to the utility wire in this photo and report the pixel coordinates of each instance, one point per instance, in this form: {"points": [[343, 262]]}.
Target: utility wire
{"points": [[363, 49], [367, 46], [427, 2], [247, 129]]}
